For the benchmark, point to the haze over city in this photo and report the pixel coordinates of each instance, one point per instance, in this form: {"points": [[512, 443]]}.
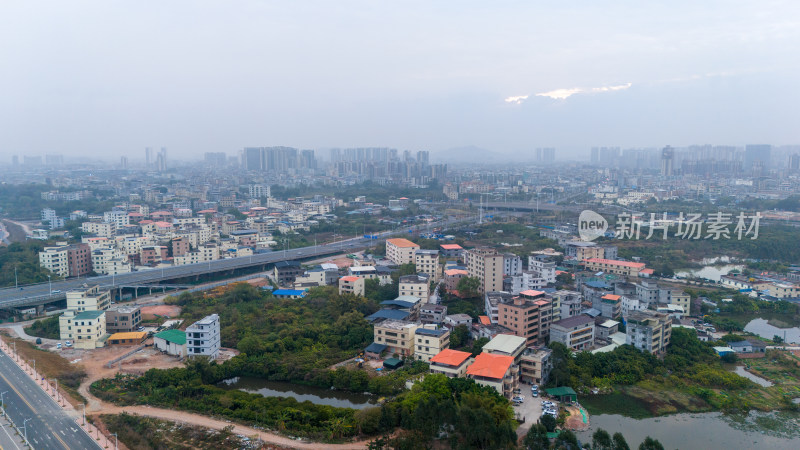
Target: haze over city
{"points": [[106, 79]]}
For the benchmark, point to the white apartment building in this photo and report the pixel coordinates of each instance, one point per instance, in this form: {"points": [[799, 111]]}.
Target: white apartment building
{"points": [[512, 264], [649, 331], [203, 338], [88, 299], [118, 218], [427, 262], [401, 251], [543, 266], [415, 286], [110, 261], [56, 260], [103, 229], [487, 266]]}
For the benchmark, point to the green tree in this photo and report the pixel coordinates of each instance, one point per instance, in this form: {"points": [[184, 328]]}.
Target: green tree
{"points": [[601, 440], [459, 336], [469, 287], [477, 346], [650, 444], [619, 442], [566, 439], [777, 339], [536, 439], [549, 422]]}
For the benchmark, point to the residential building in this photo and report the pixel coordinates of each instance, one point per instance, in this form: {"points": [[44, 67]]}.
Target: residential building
{"points": [[54, 222], [398, 336], [430, 313], [525, 281], [122, 319], [172, 342], [535, 365], [453, 320], [611, 306], [496, 371], [451, 363], [512, 264], [415, 286], [492, 301], [582, 250], [429, 340], [614, 266], [452, 278], [286, 272], [575, 332], [649, 331], [451, 250], [203, 338], [506, 344], [544, 266], [110, 261], [73, 260], [487, 266], [784, 290], [102, 229], [351, 285], [682, 299], [528, 316], [88, 299], [86, 329], [568, 304], [400, 251], [55, 260], [380, 273], [427, 262], [603, 329]]}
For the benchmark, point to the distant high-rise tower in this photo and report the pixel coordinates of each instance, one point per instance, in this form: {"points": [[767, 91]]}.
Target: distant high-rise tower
{"points": [[753, 153], [148, 156], [794, 162], [595, 155], [15, 160], [545, 154], [667, 161], [123, 162]]}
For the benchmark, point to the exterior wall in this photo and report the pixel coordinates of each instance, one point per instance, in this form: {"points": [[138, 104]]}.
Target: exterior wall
{"points": [[170, 348], [427, 262], [91, 299], [398, 340], [119, 321], [426, 347], [202, 337], [355, 287], [487, 266], [400, 255], [451, 371]]}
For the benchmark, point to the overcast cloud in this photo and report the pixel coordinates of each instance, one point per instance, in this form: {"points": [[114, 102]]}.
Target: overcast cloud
{"points": [[107, 78]]}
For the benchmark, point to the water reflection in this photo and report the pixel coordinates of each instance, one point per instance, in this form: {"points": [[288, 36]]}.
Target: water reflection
{"points": [[767, 331], [301, 393]]}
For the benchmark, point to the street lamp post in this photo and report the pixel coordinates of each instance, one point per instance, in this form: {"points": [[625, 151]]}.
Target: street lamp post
{"points": [[50, 282], [16, 281], [84, 414], [25, 428]]}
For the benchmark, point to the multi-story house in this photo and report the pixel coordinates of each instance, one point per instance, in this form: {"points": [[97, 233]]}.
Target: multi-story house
{"points": [[649, 331], [401, 251], [575, 332], [415, 286], [397, 336], [427, 262], [88, 299], [351, 285], [451, 363], [429, 340], [487, 266], [203, 338], [528, 315]]}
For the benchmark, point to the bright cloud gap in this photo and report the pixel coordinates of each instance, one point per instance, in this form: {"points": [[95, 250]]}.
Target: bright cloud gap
{"points": [[561, 94]]}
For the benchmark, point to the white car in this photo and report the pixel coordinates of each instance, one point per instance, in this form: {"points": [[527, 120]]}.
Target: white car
{"points": [[518, 398]]}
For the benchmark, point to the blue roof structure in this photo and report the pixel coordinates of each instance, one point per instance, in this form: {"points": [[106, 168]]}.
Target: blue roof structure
{"points": [[375, 348], [597, 284], [429, 332], [289, 293], [400, 303], [392, 314]]}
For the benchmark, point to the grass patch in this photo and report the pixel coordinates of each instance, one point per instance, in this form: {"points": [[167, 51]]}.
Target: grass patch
{"points": [[44, 328], [145, 433], [52, 365], [616, 403]]}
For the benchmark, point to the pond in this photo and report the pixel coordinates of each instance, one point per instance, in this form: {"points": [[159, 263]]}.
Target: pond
{"points": [[703, 431], [762, 328], [301, 393], [710, 272]]}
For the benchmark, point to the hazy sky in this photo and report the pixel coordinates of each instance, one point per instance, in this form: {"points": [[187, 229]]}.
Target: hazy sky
{"points": [[105, 78]]}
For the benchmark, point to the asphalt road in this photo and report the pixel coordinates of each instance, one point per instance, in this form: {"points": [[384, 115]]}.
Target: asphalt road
{"points": [[38, 294], [50, 427]]}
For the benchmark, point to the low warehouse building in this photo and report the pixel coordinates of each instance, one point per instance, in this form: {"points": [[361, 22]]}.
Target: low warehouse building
{"points": [[172, 342]]}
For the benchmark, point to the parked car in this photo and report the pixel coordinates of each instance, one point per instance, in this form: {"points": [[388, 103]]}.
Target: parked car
{"points": [[68, 343], [58, 346], [518, 398]]}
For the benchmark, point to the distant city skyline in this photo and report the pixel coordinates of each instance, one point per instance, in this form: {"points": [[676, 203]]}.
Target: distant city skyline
{"points": [[199, 76]]}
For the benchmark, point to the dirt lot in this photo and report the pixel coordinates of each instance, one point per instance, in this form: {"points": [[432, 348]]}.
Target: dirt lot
{"points": [[160, 310]]}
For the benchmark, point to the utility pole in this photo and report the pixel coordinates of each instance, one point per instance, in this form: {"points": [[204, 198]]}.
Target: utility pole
{"points": [[116, 440], [16, 281]]}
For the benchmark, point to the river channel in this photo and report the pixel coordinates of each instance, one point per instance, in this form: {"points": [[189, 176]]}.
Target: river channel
{"points": [[319, 396], [703, 431]]}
